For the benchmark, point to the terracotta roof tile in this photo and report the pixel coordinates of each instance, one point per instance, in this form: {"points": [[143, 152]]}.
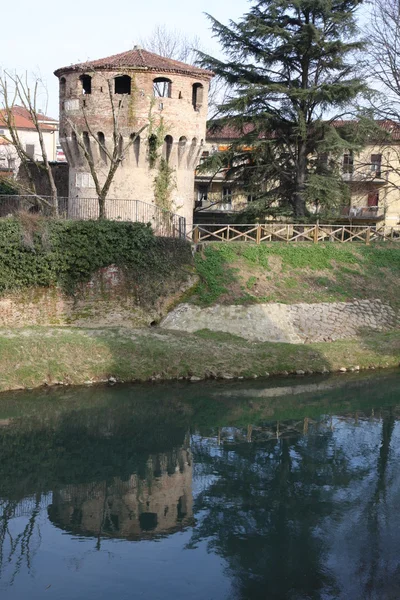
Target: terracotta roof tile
{"points": [[22, 119], [230, 132], [137, 59]]}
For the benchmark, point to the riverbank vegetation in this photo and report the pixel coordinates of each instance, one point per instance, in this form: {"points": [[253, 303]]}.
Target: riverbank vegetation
{"points": [[39, 252], [30, 357], [244, 273]]}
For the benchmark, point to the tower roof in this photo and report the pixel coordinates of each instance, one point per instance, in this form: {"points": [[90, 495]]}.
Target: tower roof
{"points": [[137, 60]]}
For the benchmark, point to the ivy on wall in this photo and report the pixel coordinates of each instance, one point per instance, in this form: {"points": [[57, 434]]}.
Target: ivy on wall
{"points": [[40, 252]]}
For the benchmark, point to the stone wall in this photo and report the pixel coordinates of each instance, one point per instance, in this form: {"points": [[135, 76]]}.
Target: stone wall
{"points": [[108, 299], [295, 324]]}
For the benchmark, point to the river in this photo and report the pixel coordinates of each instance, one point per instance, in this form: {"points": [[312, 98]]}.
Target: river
{"points": [[284, 489]]}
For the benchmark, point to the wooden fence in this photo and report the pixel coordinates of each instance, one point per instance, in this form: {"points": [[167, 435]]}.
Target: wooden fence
{"points": [[286, 232]]}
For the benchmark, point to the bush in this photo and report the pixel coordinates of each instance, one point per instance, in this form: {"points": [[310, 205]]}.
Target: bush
{"points": [[41, 252]]}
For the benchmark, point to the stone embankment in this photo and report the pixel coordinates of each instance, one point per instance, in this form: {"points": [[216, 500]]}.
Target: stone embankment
{"points": [[294, 324]]}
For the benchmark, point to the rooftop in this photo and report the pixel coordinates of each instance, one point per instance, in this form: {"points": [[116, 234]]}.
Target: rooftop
{"points": [[232, 133], [137, 59], [22, 119]]}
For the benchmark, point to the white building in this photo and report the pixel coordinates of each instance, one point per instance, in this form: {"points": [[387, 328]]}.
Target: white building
{"points": [[29, 137]]}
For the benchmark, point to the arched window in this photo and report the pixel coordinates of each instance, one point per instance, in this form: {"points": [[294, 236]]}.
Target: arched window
{"points": [[102, 144], [168, 142], [162, 87], [136, 147], [86, 82], [62, 86], [197, 95], [122, 84], [181, 148]]}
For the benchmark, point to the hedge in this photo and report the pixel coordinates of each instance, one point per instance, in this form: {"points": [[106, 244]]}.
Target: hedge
{"points": [[40, 252]]}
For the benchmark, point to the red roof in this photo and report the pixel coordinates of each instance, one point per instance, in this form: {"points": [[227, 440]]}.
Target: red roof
{"points": [[23, 120], [230, 132], [137, 60]]}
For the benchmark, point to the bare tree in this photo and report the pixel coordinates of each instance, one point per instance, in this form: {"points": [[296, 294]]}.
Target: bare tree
{"points": [[111, 154], [173, 43], [384, 55], [15, 91], [383, 67]]}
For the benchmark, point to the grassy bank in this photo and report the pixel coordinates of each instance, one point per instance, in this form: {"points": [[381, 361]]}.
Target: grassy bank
{"points": [[32, 357], [244, 273]]}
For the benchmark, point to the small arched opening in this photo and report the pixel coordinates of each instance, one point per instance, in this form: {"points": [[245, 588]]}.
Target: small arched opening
{"points": [[192, 150], [63, 84], [86, 82], [181, 148], [122, 84], [168, 143], [152, 149], [197, 95], [102, 146], [136, 147], [86, 142], [162, 87], [75, 148]]}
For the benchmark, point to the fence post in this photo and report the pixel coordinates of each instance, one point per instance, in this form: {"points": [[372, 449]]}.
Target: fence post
{"points": [[196, 235], [316, 234], [258, 234], [368, 236]]}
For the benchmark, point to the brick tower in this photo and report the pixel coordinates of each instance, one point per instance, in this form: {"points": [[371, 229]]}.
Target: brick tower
{"points": [[164, 99]]}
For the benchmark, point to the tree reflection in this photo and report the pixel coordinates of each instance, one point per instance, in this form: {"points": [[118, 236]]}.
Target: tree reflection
{"points": [[272, 508]]}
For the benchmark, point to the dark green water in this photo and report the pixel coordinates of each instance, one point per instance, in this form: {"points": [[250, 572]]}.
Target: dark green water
{"points": [[274, 490]]}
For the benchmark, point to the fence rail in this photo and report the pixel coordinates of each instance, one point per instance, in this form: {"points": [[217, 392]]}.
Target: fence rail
{"points": [[163, 222], [286, 232]]}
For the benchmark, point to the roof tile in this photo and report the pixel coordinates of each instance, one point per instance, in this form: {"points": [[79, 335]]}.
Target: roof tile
{"points": [[137, 59]]}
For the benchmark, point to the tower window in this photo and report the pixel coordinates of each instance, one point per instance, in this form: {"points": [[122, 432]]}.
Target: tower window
{"points": [[197, 95], [162, 87], [86, 81], [62, 86], [122, 84]]}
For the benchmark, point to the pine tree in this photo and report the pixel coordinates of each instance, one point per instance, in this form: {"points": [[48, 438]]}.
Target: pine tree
{"points": [[291, 65]]}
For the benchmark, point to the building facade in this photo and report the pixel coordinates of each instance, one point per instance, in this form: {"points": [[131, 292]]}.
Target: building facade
{"points": [[29, 138], [373, 177], [156, 109]]}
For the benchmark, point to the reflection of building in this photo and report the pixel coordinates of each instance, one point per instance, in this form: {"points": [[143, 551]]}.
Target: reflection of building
{"points": [[141, 507]]}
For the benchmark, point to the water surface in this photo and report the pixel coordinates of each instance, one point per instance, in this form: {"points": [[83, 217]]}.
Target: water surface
{"points": [[285, 489]]}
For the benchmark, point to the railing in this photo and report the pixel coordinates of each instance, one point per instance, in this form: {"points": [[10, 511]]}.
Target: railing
{"points": [[362, 212], [286, 232], [163, 222]]}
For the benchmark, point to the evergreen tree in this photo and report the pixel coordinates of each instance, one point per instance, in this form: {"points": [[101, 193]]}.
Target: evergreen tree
{"points": [[293, 73]]}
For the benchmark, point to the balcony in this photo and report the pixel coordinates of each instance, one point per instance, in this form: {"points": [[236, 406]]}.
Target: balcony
{"points": [[365, 174], [362, 213]]}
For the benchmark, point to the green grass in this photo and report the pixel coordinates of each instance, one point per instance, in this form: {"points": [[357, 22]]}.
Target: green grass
{"points": [[32, 357], [243, 273]]}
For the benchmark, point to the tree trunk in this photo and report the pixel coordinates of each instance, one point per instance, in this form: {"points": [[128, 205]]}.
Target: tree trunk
{"points": [[299, 204], [102, 207]]}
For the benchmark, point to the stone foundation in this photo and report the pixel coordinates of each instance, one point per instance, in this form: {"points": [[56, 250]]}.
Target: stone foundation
{"points": [[108, 299], [293, 324]]}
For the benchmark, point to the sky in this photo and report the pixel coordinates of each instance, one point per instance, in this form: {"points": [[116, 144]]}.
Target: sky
{"points": [[47, 35]]}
